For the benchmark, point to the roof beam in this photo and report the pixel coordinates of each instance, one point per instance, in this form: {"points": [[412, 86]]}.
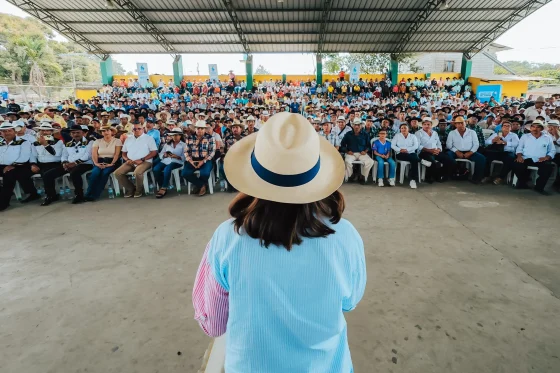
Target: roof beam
{"points": [[279, 22], [147, 25], [327, 4], [280, 33], [60, 26], [271, 10], [237, 25], [454, 50], [431, 6], [288, 42], [523, 12]]}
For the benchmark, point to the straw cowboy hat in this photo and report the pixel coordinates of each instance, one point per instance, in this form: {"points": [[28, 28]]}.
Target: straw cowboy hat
{"points": [[158, 115], [238, 123], [111, 128], [201, 124], [286, 161]]}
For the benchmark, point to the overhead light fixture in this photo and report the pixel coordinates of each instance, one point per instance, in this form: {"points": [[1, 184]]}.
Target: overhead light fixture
{"points": [[444, 5], [109, 4], [280, 1]]}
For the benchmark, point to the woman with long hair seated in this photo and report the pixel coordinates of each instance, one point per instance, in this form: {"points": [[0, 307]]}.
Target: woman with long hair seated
{"points": [[172, 156], [105, 154], [280, 274]]}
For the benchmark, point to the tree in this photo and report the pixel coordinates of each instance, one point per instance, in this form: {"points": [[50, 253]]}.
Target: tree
{"points": [[261, 70], [544, 70], [30, 53], [370, 63], [118, 69]]}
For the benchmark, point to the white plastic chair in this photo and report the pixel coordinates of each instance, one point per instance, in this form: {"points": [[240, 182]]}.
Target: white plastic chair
{"points": [[487, 133], [470, 165], [17, 190], [405, 166], [176, 178], [210, 182], [67, 183], [58, 182], [374, 170], [146, 181], [534, 174], [218, 161], [495, 162], [355, 162]]}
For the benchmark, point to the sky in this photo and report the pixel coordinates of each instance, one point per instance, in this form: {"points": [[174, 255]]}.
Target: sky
{"points": [[534, 39]]}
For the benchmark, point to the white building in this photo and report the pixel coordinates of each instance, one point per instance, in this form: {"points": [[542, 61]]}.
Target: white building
{"points": [[482, 65]]}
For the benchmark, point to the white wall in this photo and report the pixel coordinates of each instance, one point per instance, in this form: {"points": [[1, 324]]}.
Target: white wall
{"points": [[435, 62]]}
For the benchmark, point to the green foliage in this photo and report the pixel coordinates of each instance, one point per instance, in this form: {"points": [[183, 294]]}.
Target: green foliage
{"points": [[261, 70], [118, 69], [544, 70], [29, 53], [370, 63]]}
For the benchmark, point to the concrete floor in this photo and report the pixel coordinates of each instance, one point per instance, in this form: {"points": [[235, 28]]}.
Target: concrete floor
{"points": [[460, 279]]}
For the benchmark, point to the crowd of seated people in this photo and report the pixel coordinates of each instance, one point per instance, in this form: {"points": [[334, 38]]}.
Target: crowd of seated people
{"points": [[123, 135]]}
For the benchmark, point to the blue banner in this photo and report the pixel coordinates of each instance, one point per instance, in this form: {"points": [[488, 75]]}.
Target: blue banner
{"points": [[485, 92], [143, 75]]}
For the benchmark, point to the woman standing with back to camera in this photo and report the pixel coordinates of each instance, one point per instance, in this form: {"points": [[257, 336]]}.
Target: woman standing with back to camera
{"points": [[279, 275]]}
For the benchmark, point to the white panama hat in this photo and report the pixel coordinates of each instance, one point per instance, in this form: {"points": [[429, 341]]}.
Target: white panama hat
{"points": [[45, 126], [7, 125], [286, 161], [201, 124]]}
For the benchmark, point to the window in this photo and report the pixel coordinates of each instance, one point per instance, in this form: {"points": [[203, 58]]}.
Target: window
{"points": [[448, 66]]}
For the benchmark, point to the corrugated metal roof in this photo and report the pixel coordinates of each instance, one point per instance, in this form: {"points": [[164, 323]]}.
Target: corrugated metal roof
{"points": [[206, 26]]}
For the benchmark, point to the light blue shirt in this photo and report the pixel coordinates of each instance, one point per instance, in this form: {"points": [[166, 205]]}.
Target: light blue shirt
{"points": [[512, 140], [533, 148], [286, 307], [156, 135]]}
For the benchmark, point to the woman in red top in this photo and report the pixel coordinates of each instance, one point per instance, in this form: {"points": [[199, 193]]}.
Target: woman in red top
{"points": [[341, 75]]}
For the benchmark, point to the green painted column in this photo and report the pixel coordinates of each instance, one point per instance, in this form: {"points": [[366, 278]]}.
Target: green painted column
{"points": [[106, 66], [466, 67], [319, 69], [178, 70], [249, 71], [394, 69]]}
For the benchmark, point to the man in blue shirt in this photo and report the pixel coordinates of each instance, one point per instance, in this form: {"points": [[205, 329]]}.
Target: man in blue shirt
{"points": [[535, 149], [294, 107], [356, 144]]}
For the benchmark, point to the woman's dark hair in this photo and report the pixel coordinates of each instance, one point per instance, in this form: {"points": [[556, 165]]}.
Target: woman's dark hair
{"points": [[285, 224]]}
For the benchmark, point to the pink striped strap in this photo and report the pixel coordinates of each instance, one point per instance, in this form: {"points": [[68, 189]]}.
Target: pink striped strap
{"points": [[210, 300]]}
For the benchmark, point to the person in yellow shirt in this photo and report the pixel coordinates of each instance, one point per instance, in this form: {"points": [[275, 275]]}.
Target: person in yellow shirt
{"points": [[48, 111]]}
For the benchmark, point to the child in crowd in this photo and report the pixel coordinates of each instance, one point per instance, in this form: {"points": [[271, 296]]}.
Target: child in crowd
{"points": [[382, 152]]}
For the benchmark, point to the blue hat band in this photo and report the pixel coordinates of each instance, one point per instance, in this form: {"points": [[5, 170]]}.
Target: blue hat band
{"points": [[284, 180]]}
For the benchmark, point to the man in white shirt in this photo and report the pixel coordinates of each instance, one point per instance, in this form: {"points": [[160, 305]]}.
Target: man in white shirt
{"points": [[15, 154], [76, 160], [137, 153], [500, 147], [431, 150], [463, 143], [341, 128], [537, 150], [534, 111]]}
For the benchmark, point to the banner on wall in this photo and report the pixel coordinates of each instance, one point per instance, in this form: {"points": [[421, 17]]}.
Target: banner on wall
{"points": [[143, 75], [354, 72], [213, 71], [485, 92]]}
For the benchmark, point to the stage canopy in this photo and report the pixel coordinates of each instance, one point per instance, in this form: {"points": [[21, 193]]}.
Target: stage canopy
{"points": [[288, 26]]}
